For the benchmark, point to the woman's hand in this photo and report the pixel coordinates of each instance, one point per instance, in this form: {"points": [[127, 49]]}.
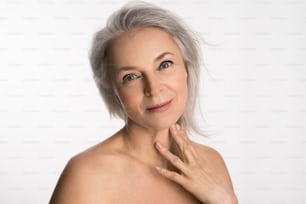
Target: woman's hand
{"points": [[197, 177]]}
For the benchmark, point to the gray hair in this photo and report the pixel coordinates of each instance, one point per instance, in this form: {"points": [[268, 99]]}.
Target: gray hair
{"points": [[136, 15]]}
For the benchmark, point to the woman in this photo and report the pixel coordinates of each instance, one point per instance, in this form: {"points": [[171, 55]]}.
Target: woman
{"points": [[146, 65]]}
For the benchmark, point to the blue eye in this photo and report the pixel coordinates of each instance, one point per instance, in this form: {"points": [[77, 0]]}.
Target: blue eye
{"points": [[165, 64], [129, 77]]}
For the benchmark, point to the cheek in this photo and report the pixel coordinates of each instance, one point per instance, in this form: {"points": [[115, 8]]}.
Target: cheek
{"points": [[180, 81], [183, 87], [129, 98]]}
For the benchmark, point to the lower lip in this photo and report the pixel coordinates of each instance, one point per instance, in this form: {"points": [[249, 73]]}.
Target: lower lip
{"points": [[161, 108]]}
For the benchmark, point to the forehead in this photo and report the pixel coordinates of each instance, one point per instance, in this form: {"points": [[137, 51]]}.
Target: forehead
{"points": [[141, 45]]}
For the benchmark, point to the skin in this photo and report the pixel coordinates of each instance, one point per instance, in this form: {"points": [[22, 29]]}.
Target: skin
{"points": [[150, 160]]}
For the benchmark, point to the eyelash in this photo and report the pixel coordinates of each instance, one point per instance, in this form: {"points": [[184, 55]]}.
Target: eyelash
{"points": [[127, 78], [168, 61]]}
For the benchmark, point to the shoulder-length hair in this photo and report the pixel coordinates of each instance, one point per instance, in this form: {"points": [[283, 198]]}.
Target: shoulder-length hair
{"points": [[137, 15]]}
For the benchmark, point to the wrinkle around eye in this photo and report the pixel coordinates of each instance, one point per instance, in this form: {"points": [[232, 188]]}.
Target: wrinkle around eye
{"points": [[130, 77]]}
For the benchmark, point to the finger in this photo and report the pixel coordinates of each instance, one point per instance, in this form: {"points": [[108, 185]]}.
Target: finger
{"points": [[174, 176], [175, 160], [184, 145], [183, 135]]}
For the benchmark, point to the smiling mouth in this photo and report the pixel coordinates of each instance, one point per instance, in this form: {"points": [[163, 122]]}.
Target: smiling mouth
{"points": [[160, 107]]}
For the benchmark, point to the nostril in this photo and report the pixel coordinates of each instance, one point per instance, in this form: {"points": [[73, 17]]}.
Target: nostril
{"points": [[147, 93], [152, 90]]}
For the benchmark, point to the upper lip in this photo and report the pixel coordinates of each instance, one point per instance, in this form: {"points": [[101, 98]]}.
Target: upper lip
{"points": [[159, 105]]}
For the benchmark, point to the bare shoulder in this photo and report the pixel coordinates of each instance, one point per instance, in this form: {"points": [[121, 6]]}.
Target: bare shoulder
{"points": [[85, 175], [213, 158]]}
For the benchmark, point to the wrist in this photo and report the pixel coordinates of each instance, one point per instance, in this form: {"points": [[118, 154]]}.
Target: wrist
{"points": [[225, 197], [231, 199]]}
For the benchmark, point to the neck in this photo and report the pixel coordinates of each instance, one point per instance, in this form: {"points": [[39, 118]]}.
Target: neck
{"points": [[140, 143]]}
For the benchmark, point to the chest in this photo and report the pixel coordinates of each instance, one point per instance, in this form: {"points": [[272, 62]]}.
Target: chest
{"points": [[148, 188]]}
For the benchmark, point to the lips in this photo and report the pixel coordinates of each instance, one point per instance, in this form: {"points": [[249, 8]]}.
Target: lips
{"points": [[160, 107]]}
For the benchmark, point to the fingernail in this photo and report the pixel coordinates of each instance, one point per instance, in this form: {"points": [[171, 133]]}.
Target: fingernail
{"points": [[177, 126], [173, 127], [158, 168], [158, 145]]}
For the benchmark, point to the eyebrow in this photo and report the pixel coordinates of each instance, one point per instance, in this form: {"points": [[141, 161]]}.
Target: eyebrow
{"points": [[162, 55], [159, 57]]}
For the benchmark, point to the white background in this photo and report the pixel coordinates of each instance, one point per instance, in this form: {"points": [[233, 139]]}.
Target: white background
{"points": [[253, 96]]}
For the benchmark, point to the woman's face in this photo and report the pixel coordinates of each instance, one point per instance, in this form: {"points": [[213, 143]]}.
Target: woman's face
{"points": [[150, 77]]}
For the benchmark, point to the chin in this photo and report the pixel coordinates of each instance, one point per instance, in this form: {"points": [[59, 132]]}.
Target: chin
{"points": [[158, 123], [161, 124], [159, 127]]}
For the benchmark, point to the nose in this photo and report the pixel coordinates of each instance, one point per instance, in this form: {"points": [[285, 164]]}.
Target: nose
{"points": [[152, 86]]}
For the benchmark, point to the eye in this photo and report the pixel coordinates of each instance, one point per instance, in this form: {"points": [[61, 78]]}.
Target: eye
{"points": [[129, 77], [165, 64]]}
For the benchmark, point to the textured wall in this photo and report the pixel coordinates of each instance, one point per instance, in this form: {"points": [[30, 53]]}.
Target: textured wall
{"points": [[253, 95]]}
